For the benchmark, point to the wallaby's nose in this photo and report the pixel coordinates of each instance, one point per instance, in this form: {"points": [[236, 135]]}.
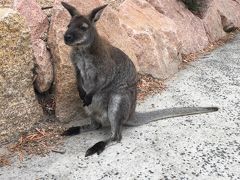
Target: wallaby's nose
{"points": [[68, 38]]}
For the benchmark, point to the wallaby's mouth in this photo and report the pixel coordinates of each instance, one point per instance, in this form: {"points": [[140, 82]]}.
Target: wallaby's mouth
{"points": [[76, 44]]}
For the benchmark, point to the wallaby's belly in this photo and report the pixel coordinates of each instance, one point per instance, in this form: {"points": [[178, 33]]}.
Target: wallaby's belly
{"points": [[98, 109]]}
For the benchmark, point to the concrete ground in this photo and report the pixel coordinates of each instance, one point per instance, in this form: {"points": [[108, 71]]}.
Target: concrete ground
{"points": [[203, 146]]}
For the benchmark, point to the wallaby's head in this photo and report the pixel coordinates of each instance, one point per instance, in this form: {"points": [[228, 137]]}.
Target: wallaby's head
{"points": [[81, 29]]}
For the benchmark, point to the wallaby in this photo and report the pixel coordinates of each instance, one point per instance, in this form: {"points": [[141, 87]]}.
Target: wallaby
{"points": [[106, 81]]}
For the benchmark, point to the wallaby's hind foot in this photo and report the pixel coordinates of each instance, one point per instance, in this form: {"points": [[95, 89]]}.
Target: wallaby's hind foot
{"points": [[80, 129], [100, 146], [71, 131], [97, 148]]}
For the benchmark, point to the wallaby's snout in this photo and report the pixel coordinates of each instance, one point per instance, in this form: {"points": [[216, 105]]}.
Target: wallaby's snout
{"points": [[68, 38], [81, 29]]}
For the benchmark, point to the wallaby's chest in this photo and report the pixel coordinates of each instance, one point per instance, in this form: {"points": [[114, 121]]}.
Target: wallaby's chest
{"points": [[87, 69]]}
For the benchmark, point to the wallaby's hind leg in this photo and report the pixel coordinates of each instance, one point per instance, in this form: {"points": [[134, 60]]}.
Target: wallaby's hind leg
{"points": [[118, 112], [79, 129]]}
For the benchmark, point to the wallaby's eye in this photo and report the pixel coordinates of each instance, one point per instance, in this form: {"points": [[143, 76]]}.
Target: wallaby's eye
{"points": [[84, 27]]}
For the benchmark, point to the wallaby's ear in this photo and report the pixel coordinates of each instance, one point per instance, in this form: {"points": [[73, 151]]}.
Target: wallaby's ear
{"points": [[96, 13], [72, 10]]}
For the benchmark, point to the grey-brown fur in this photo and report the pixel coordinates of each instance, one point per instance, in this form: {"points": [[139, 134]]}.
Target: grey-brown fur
{"points": [[106, 81]]}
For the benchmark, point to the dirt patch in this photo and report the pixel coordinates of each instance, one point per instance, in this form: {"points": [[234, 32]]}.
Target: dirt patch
{"points": [[45, 3], [47, 102], [39, 141], [212, 46], [4, 160], [148, 85]]}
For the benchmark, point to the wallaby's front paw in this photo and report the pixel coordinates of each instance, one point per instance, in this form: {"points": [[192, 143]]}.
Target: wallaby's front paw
{"points": [[82, 95], [87, 100], [71, 131]]}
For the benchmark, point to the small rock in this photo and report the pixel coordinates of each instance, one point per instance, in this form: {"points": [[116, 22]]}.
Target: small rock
{"points": [[60, 151]]}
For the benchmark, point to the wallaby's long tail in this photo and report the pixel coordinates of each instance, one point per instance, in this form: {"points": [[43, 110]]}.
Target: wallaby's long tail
{"points": [[144, 118]]}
